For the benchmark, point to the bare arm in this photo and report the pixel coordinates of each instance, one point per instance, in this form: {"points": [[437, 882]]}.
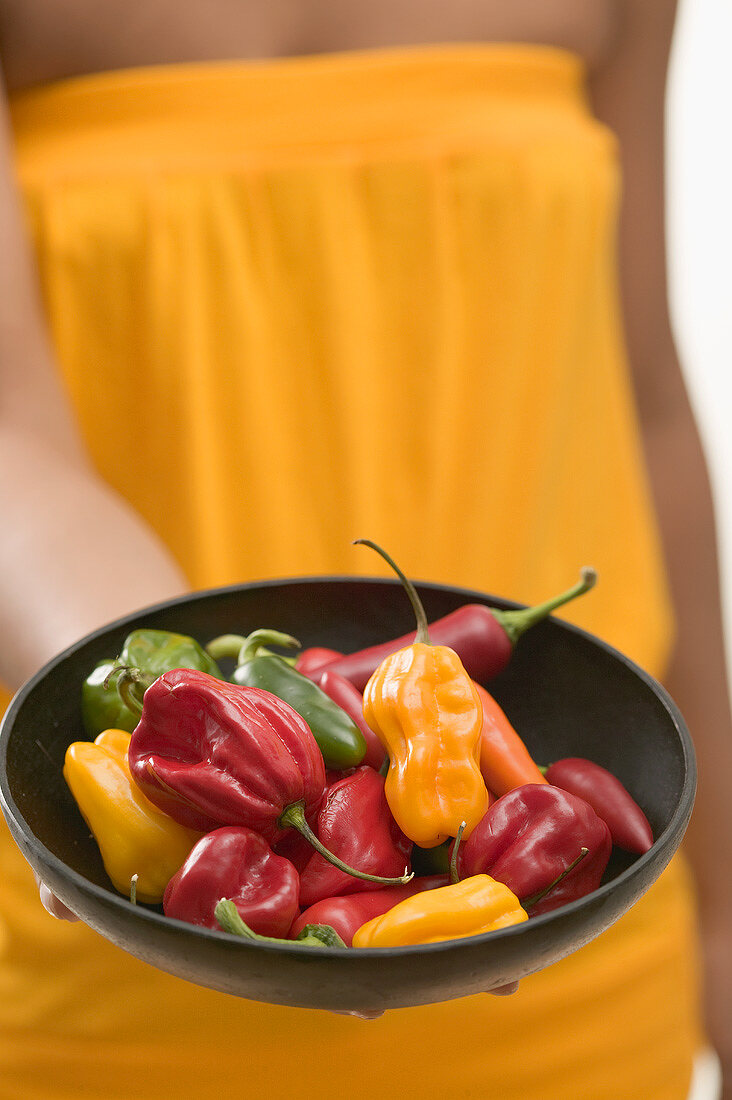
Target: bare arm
{"points": [[73, 554], [629, 95]]}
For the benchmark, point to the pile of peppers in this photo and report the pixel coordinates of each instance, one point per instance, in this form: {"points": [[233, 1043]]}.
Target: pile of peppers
{"points": [[292, 798]]}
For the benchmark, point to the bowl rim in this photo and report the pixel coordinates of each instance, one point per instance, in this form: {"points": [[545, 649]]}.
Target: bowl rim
{"points": [[17, 821]]}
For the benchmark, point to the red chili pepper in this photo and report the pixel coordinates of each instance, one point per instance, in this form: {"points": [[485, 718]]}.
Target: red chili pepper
{"points": [[530, 836], [347, 914], [350, 699], [356, 823], [483, 637], [239, 864], [629, 826], [210, 753], [310, 661]]}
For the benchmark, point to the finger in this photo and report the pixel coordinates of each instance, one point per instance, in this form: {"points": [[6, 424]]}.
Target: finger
{"points": [[52, 904], [361, 1015]]}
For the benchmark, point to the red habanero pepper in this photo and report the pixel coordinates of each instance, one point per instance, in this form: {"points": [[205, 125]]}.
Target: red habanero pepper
{"points": [[214, 754], [239, 864], [294, 846], [350, 699], [355, 822], [531, 836], [505, 762], [629, 826], [483, 637], [347, 914], [310, 661]]}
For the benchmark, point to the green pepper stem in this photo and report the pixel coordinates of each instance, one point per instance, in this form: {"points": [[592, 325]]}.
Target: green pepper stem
{"points": [[294, 818], [314, 935], [454, 876], [244, 648], [422, 625], [529, 903], [132, 684], [133, 889], [515, 622]]}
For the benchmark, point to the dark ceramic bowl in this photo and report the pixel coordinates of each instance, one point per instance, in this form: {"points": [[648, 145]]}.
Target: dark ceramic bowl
{"points": [[566, 692]]}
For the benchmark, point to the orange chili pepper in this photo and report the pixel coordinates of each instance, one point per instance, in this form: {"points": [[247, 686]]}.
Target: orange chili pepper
{"points": [[505, 762], [468, 908], [425, 710]]}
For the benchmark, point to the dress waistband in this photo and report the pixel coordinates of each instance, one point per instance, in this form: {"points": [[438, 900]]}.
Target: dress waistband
{"points": [[218, 109]]}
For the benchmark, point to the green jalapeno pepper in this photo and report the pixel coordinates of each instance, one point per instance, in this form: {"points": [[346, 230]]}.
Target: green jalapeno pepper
{"points": [[339, 738], [153, 652]]}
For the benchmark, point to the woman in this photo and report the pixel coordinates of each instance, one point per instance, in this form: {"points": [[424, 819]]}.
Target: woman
{"points": [[366, 289]]}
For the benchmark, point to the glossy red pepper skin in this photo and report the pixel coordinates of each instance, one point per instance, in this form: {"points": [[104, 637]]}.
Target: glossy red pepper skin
{"points": [[355, 823], [235, 863], [210, 753], [347, 914], [531, 835], [629, 826], [311, 661], [483, 637], [350, 699], [472, 631]]}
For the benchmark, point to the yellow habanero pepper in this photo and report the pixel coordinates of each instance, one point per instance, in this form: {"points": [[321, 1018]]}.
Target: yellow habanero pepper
{"points": [[469, 908], [425, 710], [134, 837]]}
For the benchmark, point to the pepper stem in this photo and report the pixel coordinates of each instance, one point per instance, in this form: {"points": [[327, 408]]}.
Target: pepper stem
{"points": [[132, 684], [314, 935], [454, 876], [422, 627], [244, 648], [517, 621], [294, 818], [529, 903]]}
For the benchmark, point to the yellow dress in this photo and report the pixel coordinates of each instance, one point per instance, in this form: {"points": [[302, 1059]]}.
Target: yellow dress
{"points": [[305, 301]]}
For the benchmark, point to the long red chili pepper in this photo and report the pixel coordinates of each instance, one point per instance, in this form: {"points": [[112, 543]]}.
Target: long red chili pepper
{"points": [[629, 826], [350, 699], [483, 637], [312, 660]]}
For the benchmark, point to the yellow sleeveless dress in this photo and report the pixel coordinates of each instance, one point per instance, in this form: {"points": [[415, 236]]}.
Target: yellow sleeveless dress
{"points": [[303, 301]]}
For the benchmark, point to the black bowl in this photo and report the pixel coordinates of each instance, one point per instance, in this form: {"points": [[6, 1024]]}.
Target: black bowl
{"points": [[566, 692]]}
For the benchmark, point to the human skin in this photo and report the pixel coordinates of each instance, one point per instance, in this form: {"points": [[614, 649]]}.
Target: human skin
{"points": [[51, 592]]}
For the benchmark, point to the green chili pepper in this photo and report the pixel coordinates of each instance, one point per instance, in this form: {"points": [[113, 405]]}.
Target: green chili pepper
{"points": [[101, 707], [339, 738], [153, 652]]}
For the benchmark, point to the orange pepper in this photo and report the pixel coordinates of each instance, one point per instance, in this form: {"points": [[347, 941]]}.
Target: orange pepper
{"points": [[425, 710], [505, 762], [469, 908]]}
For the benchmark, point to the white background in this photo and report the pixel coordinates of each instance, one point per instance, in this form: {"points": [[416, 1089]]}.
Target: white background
{"points": [[699, 221]]}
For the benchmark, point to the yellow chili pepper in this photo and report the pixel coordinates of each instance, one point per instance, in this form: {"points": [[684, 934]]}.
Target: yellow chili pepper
{"points": [[134, 837], [425, 710], [469, 908]]}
